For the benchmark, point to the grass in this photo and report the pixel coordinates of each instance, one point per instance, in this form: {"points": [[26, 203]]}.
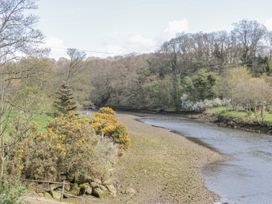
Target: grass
{"points": [[42, 121], [246, 116]]}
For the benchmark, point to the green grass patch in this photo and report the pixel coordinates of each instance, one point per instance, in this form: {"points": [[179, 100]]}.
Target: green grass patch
{"points": [[244, 115], [42, 121]]}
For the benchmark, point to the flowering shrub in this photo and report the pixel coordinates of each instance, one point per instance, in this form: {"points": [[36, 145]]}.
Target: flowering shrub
{"points": [[201, 106], [106, 124], [69, 150]]}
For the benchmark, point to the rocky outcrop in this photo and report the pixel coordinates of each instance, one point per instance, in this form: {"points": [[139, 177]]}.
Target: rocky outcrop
{"points": [[94, 187]]}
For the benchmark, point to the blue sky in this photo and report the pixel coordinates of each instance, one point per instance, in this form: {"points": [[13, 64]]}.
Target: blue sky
{"points": [[112, 27]]}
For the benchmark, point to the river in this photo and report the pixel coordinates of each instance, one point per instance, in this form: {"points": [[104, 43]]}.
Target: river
{"points": [[245, 177]]}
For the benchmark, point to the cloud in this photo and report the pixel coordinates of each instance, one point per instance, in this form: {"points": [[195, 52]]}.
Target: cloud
{"points": [[120, 45], [268, 24], [57, 47], [140, 40], [175, 27], [140, 44]]}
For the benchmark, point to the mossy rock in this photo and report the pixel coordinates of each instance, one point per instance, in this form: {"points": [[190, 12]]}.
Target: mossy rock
{"points": [[94, 184], [75, 189], [99, 193], [85, 188], [56, 195], [47, 195]]}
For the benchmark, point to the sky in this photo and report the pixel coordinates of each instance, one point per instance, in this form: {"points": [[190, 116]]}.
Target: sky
{"points": [[117, 27]]}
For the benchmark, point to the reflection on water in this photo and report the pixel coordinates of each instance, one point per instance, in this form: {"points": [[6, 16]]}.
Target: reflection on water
{"points": [[244, 178]]}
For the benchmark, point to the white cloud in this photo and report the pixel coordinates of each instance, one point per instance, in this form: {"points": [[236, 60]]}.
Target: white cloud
{"points": [[118, 45], [268, 24], [57, 47], [175, 27], [140, 44], [140, 40]]}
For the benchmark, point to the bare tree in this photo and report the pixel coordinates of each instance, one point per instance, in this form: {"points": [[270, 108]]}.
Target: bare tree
{"points": [[76, 63], [248, 35], [18, 38]]}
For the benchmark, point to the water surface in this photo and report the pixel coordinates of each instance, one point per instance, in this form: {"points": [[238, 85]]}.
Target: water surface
{"points": [[246, 177]]}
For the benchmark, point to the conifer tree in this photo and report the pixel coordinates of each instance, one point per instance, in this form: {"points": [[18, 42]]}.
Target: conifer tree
{"points": [[65, 103]]}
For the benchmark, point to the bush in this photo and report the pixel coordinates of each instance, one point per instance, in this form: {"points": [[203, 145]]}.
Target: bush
{"points": [[200, 106], [69, 150], [10, 191], [106, 124]]}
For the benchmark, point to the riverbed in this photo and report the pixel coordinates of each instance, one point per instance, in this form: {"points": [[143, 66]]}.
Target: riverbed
{"points": [[245, 177]]}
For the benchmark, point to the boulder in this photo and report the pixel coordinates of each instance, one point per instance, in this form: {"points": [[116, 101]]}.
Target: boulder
{"points": [[98, 192], [47, 195], [75, 189], [56, 195], [94, 184], [85, 188]]}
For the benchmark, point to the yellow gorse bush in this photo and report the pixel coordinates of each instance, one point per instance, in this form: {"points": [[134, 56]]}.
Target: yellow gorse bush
{"points": [[106, 123], [66, 150], [69, 150]]}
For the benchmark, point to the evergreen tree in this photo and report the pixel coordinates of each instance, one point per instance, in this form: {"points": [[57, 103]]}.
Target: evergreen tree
{"points": [[65, 103]]}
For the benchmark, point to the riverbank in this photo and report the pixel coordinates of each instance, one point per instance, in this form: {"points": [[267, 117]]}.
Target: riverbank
{"points": [[162, 167], [235, 120]]}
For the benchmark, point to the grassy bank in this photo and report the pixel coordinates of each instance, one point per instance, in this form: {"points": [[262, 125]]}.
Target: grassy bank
{"points": [[242, 115], [248, 121]]}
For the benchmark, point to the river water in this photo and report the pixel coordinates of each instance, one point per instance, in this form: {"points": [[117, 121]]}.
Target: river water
{"points": [[246, 176]]}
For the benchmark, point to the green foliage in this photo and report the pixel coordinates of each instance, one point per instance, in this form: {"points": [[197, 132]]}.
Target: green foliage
{"points": [[200, 86], [65, 103], [10, 191], [106, 123], [158, 95]]}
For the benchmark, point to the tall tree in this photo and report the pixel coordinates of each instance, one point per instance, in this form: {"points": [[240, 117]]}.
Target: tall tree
{"points": [[65, 103], [248, 36], [76, 63], [18, 37]]}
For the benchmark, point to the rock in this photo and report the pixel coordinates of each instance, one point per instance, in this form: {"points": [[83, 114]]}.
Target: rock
{"points": [[97, 192], [89, 190], [97, 181], [130, 191], [47, 195], [103, 188], [75, 190], [94, 184], [85, 188], [56, 195], [112, 190]]}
